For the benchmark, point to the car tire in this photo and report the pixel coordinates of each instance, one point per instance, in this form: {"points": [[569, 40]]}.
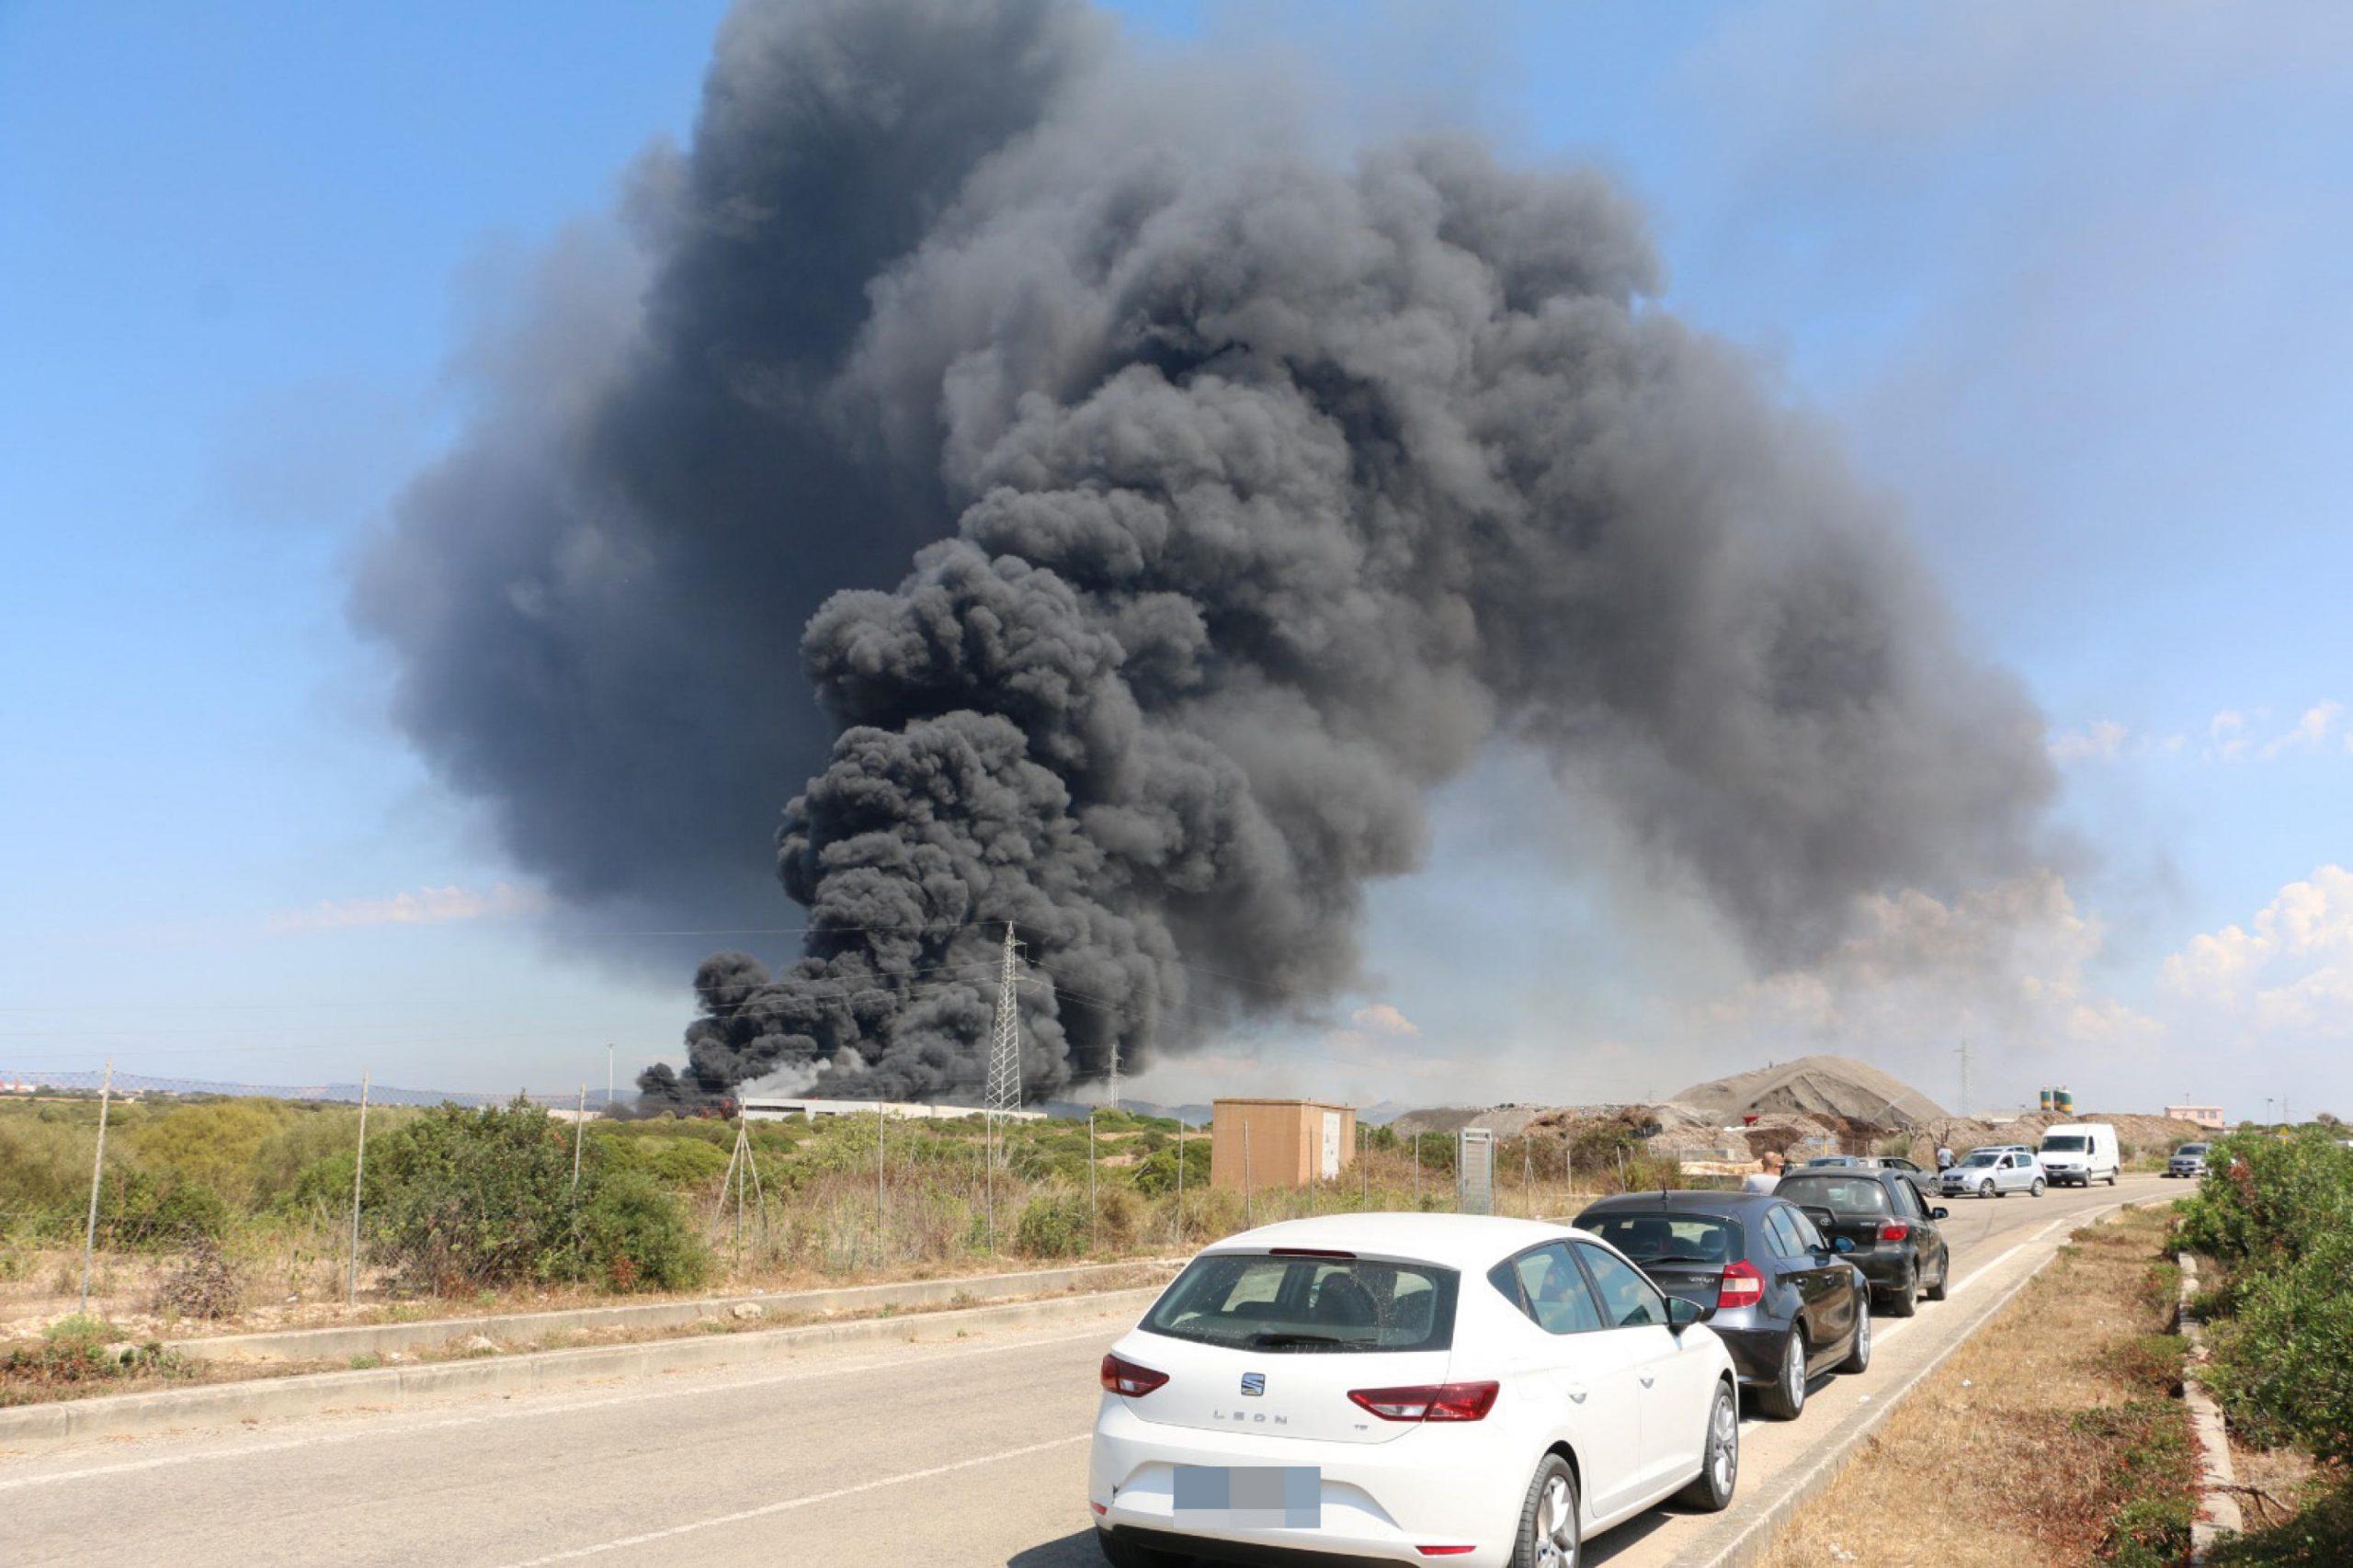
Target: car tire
{"points": [[2111, 1178], [1858, 1349], [1548, 1537], [1986, 1189], [1784, 1398], [1936, 1292], [2037, 1189], [1121, 1553], [1711, 1490], [1901, 1301]]}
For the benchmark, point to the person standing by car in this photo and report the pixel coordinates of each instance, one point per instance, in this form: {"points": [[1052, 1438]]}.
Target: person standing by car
{"points": [[1766, 1180]]}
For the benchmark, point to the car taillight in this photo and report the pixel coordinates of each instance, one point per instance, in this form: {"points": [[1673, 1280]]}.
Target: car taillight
{"points": [[1429, 1401], [1125, 1377], [1894, 1229], [1742, 1285]]}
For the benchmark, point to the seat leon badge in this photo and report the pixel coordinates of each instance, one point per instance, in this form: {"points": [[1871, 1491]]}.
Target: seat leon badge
{"points": [[1253, 1382]]}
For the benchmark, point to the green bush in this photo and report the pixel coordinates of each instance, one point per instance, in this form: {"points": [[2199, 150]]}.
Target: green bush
{"points": [[471, 1199], [139, 1212], [635, 1238], [1155, 1175], [675, 1161], [2279, 1211], [462, 1199], [1053, 1226]]}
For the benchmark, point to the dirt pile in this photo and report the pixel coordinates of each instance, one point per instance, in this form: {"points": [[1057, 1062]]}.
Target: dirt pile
{"points": [[1836, 1088]]}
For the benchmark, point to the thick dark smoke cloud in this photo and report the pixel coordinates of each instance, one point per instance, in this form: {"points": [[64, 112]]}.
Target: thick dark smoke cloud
{"points": [[1250, 489]]}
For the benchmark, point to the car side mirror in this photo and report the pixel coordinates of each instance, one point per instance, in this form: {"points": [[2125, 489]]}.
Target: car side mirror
{"points": [[1681, 1315], [1939, 1213], [1842, 1243]]}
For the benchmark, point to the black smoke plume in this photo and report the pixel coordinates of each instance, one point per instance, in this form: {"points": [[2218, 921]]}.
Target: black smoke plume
{"points": [[1251, 488]]}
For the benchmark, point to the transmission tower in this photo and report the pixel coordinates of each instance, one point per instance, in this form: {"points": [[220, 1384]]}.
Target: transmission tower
{"points": [[1004, 1049]]}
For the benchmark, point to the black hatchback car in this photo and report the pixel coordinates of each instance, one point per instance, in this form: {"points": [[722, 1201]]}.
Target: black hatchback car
{"points": [[1897, 1242], [1787, 1302]]}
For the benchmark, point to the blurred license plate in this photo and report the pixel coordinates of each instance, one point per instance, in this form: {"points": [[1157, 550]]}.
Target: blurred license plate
{"points": [[1251, 1496]]}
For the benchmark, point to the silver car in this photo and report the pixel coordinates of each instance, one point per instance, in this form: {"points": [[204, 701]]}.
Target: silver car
{"points": [[2190, 1160], [1995, 1172]]}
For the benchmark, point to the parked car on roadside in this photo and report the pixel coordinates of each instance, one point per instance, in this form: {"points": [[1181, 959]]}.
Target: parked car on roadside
{"points": [[1897, 1244], [2190, 1160], [2081, 1152], [1995, 1172], [1396, 1387], [1788, 1304]]}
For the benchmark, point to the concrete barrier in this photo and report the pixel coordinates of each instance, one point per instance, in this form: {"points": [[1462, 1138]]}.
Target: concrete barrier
{"points": [[34, 1426], [345, 1341]]}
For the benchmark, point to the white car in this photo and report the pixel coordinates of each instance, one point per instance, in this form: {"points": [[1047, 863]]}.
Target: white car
{"points": [[1403, 1387], [1993, 1172]]}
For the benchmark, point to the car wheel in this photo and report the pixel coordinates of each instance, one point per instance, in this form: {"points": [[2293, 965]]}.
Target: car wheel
{"points": [[2111, 1178], [1785, 1400], [1900, 1300], [2037, 1189], [1936, 1292], [1121, 1553], [1986, 1189], [1859, 1349], [1551, 1535], [1711, 1490]]}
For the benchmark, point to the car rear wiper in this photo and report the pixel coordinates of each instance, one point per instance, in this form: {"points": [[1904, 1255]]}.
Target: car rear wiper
{"points": [[1270, 1341]]}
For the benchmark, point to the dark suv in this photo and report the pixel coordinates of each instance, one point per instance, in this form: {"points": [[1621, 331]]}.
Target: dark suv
{"points": [[1897, 1242]]}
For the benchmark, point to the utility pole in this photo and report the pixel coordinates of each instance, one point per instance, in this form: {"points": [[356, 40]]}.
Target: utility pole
{"points": [[1114, 1072], [1964, 1053], [358, 1168], [97, 1178], [609, 1079]]}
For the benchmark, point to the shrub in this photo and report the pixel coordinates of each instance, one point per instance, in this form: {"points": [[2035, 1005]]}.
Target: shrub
{"points": [[468, 1198], [633, 1235], [677, 1162], [1053, 1226], [203, 1283], [1156, 1173], [139, 1212]]}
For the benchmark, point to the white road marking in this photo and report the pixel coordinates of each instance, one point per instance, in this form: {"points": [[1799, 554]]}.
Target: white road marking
{"points": [[563, 1407], [808, 1500]]}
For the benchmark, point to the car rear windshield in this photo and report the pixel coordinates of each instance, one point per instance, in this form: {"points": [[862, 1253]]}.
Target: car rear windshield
{"points": [[1670, 1238], [1840, 1195], [2065, 1144], [1278, 1302]]}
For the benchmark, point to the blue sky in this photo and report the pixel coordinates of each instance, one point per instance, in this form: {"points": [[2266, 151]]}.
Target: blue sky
{"points": [[2072, 287]]}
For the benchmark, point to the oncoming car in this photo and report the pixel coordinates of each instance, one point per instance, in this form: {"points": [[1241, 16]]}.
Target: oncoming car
{"points": [[1399, 1387], [1995, 1172], [2190, 1160]]}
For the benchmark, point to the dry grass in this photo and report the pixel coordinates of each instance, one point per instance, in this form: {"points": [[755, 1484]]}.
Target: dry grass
{"points": [[2051, 1438]]}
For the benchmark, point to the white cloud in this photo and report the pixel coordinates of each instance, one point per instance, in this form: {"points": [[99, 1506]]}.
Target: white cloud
{"points": [[1383, 1017], [2302, 942], [2004, 967], [2312, 732], [2226, 736], [2099, 741], [426, 906]]}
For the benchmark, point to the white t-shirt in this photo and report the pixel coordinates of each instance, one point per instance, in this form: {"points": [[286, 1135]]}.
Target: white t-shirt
{"points": [[1763, 1181]]}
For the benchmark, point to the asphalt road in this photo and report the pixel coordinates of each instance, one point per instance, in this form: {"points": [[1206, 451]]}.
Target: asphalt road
{"points": [[941, 1454]]}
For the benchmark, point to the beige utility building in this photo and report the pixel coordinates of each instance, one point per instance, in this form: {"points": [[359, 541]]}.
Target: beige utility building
{"points": [[1263, 1143]]}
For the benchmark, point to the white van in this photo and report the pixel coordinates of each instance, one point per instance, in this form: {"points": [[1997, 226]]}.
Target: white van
{"points": [[2081, 1152]]}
